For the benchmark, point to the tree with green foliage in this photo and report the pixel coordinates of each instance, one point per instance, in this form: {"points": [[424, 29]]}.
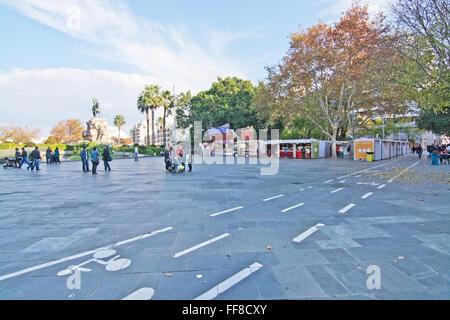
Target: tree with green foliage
{"points": [[119, 121], [150, 99], [168, 104], [437, 122], [227, 101]]}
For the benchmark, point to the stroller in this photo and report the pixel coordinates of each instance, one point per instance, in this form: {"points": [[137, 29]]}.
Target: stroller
{"points": [[174, 167]]}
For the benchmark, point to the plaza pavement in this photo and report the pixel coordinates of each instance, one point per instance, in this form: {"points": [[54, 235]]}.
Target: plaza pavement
{"points": [[226, 232]]}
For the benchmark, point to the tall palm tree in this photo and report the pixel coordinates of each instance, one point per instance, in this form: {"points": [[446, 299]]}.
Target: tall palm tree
{"points": [[119, 121], [150, 99], [168, 104]]}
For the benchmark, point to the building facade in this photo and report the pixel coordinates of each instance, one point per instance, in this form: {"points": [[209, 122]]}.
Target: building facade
{"points": [[139, 133]]}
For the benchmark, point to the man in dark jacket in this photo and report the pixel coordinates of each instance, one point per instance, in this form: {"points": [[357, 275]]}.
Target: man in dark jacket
{"points": [[24, 159], [106, 158], [49, 155], [167, 158], [17, 158], [36, 155], [85, 159]]}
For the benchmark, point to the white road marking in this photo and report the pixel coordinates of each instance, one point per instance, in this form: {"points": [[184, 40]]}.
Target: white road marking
{"points": [[80, 255], [404, 171], [367, 195], [342, 181], [337, 190], [293, 207], [228, 283], [141, 294], [352, 174], [275, 197], [309, 187], [181, 253], [382, 186], [307, 233], [329, 181], [225, 211], [301, 189], [345, 209]]}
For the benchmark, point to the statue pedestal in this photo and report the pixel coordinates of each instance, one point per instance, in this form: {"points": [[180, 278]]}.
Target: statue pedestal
{"points": [[97, 131]]}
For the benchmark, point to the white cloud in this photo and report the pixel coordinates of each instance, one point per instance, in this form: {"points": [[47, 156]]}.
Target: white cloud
{"points": [[42, 97], [166, 53]]}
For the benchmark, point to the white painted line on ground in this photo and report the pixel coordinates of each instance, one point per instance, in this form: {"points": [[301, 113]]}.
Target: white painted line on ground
{"points": [[309, 187], [80, 255], [352, 174], [198, 246], [227, 284], [343, 210], [141, 294], [367, 195], [275, 197], [293, 207], [301, 189], [342, 181], [382, 186], [307, 233], [337, 190], [225, 211], [415, 164], [329, 181]]}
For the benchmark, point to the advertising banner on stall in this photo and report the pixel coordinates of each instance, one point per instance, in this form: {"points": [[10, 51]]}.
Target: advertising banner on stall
{"points": [[361, 147], [315, 149]]}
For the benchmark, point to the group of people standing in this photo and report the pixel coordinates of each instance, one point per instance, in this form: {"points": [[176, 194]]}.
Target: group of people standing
{"points": [[21, 157], [95, 159], [437, 154], [52, 156], [175, 160]]}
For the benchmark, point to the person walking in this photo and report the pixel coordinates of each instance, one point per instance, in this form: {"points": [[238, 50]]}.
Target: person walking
{"points": [[189, 161], [24, 159], [95, 158], [17, 158], [419, 151], [56, 156], [49, 155], [136, 154], [341, 151], [36, 155], [85, 159], [106, 158]]}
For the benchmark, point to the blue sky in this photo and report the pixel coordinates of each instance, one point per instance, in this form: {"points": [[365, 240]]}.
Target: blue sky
{"points": [[57, 55]]}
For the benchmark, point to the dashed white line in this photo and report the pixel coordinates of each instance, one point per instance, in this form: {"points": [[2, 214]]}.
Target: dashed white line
{"points": [[301, 189], [275, 197], [198, 246], [382, 186], [337, 190], [225, 211], [228, 283], [345, 209], [80, 255], [367, 195], [307, 233], [293, 207], [329, 181]]}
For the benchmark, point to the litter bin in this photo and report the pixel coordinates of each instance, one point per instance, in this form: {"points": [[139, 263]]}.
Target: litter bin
{"points": [[369, 156]]}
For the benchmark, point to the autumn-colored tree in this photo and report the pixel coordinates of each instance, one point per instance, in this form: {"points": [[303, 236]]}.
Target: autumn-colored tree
{"points": [[68, 131], [18, 134], [328, 71]]}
